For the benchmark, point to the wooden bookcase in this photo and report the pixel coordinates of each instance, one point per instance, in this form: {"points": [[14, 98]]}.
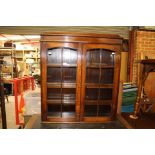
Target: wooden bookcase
{"points": [[80, 76]]}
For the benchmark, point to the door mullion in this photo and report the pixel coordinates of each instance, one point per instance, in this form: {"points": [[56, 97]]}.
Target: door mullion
{"points": [[61, 77]]}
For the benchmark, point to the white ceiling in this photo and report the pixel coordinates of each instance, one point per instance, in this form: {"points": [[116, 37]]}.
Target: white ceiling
{"points": [[123, 31], [19, 38]]}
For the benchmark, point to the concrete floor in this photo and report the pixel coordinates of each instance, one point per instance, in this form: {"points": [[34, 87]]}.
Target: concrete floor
{"points": [[10, 112]]}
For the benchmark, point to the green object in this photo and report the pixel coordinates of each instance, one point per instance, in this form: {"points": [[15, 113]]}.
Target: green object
{"points": [[129, 100], [129, 95], [37, 78]]}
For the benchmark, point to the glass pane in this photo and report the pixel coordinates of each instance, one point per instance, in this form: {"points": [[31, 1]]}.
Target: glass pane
{"points": [[104, 110], [69, 75], [54, 93], [105, 94], [107, 58], [62, 97], [53, 74], [54, 56], [54, 110], [90, 110], [107, 76], [91, 100], [68, 110], [69, 57], [69, 95], [92, 75], [92, 93], [68, 102], [54, 102], [66, 56], [93, 57], [99, 71]]}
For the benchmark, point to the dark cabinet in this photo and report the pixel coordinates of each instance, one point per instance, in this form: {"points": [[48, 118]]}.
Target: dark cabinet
{"points": [[80, 76]]}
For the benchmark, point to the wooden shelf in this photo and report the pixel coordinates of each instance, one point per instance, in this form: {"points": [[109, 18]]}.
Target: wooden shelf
{"points": [[31, 57], [4, 53], [59, 114], [17, 57], [94, 85], [100, 102], [27, 50], [68, 102], [102, 66], [59, 85], [59, 65], [11, 48], [64, 96], [73, 85]]}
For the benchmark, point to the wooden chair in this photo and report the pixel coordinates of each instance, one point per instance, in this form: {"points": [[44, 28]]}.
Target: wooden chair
{"points": [[144, 101]]}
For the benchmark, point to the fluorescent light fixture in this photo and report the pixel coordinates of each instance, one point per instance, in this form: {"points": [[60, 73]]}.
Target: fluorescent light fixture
{"points": [[15, 37], [19, 37], [32, 36], [3, 39]]}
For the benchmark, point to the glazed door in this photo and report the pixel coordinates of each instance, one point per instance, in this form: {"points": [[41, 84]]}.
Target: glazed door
{"points": [[100, 75], [62, 82]]}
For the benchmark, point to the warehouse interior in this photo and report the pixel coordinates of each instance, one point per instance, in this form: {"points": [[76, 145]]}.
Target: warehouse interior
{"points": [[23, 86]]}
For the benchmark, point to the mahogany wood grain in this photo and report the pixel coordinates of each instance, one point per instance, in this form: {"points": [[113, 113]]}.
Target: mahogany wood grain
{"points": [[78, 34], [81, 43], [61, 119], [43, 81], [116, 82], [81, 39], [97, 119], [78, 84]]}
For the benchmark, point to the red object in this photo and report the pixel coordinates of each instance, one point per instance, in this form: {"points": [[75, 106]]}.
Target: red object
{"points": [[32, 81], [22, 104], [15, 81], [20, 86]]}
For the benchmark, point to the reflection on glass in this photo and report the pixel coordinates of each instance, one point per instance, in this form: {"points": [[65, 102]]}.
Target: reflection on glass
{"points": [[61, 79], [99, 73]]}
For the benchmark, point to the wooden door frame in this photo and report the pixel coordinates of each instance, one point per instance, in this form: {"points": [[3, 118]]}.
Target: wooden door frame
{"points": [[116, 49], [44, 47], [43, 81]]}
